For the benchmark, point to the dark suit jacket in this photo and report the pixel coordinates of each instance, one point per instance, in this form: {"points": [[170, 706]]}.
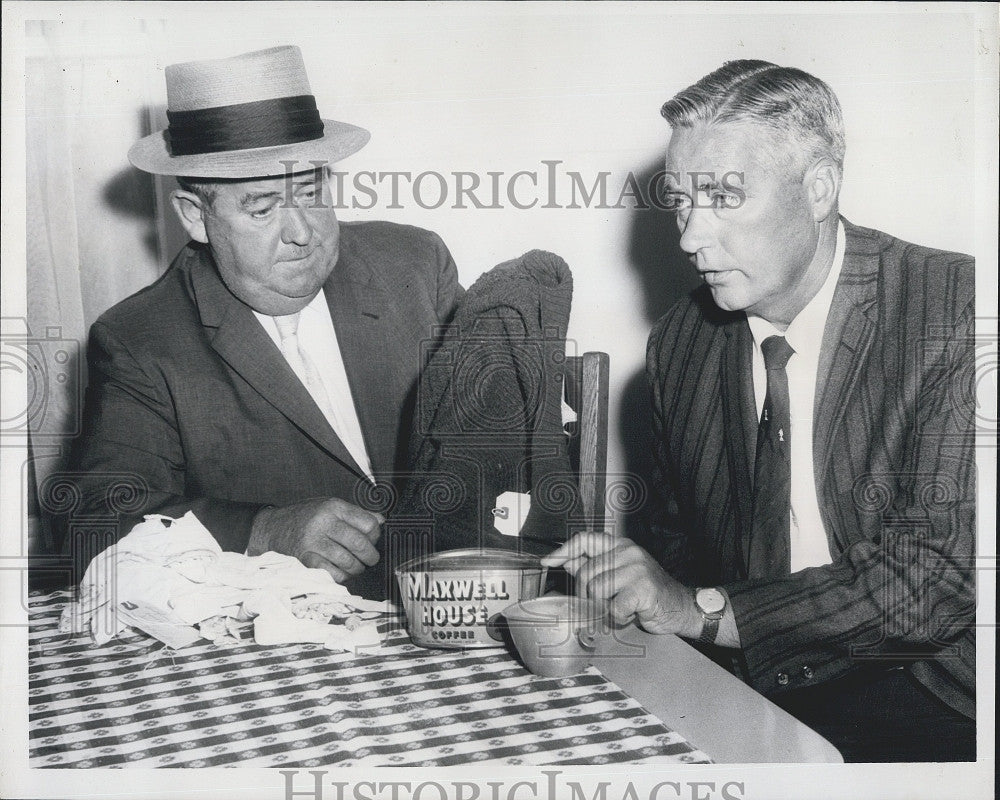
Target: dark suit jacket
{"points": [[190, 397], [895, 473]]}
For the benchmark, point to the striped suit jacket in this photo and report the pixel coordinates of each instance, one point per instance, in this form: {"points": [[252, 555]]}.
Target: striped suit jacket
{"points": [[893, 452]]}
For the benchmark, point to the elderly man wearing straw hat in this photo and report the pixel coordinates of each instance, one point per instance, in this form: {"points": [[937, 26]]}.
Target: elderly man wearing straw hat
{"points": [[266, 377]]}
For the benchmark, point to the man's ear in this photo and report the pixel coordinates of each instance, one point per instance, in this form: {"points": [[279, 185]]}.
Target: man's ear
{"points": [[190, 210], [822, 182]]}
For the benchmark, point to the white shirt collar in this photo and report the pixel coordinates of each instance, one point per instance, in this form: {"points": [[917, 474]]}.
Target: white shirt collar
{"points": [[318, 304], [805, 331]]}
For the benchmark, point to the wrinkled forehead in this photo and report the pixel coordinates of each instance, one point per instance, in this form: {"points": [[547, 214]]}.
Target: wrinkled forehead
{"points": [[697, 153]]}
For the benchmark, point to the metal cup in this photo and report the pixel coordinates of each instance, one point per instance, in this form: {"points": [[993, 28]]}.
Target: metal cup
{"points": [[556, 635]]}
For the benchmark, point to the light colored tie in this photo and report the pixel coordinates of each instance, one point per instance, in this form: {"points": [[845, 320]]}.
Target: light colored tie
{"points": [[302, 365]]}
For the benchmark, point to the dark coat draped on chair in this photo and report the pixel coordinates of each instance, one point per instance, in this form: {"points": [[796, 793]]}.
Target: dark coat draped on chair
{"points": [[488, 420]]}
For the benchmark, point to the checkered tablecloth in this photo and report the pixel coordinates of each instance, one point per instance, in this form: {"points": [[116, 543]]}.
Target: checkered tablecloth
{"points": [[134, 702]]}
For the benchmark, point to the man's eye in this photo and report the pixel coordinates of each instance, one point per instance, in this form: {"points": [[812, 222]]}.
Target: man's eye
{"points": [[675, 202], [261, 213], [726, 200]]}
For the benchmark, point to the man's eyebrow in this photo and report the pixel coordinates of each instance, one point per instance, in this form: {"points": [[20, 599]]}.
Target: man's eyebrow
{"points": [[254, 197]]}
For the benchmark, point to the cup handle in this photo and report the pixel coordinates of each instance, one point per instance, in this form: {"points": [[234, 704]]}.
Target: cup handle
{"points": [[587, 640]]}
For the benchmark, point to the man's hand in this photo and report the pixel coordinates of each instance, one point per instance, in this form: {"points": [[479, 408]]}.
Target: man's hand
{"points": [[614, 568], [329, 533]]}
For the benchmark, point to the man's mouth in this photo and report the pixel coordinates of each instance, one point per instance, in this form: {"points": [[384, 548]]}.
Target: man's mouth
{"points": [[713, 276], [300, 255], [699, 263]]}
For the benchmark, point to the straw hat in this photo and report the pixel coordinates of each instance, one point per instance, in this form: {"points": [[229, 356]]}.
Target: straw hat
{"points": [[241, 117]]}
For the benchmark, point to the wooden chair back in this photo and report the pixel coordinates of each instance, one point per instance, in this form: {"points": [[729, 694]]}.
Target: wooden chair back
{"points": [[586, 379]]}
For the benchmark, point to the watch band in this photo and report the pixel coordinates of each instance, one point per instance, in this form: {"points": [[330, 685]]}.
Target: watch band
{"points": [[709, 630]]}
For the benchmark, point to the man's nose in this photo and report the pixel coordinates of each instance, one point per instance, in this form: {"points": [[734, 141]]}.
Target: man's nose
{"points": [[696, 229], [295, 228]]}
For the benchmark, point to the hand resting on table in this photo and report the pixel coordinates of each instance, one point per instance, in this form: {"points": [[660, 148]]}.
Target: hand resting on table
{"points": [[330, 534]]}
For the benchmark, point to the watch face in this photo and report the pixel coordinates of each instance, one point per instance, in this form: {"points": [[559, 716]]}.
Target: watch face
{"points": [[710, 601]]}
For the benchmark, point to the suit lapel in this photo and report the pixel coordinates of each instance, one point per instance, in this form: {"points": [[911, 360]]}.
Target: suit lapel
{"points": [[239, 339], [740, 421], [364, 317], [847, 339]]}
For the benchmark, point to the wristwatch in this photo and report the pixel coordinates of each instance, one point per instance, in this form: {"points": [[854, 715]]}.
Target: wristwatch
{"points": [[712, 605]]}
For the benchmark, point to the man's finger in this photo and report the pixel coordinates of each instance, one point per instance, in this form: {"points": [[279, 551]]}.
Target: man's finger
{"points": [[573, 565], [624, 607], [316, 561], [365, 521], [354, 542], [559, 556], [587, 543], [339, 555], [611, 571], [376, 531], [585, 580], [601, 578]]}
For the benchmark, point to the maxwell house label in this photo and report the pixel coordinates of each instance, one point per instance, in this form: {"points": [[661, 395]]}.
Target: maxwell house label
{"points": [[449, 605], [423, 587]]}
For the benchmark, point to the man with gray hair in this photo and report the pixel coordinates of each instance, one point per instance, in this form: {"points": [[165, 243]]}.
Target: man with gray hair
{"points": [[814, 432]]}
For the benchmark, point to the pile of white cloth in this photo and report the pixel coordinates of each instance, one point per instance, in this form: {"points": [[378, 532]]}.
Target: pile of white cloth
{"points": [[169, 578]]}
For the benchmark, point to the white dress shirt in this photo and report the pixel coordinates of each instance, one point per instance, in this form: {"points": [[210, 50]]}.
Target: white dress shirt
{"points": [[318, 338], [809, 547]]}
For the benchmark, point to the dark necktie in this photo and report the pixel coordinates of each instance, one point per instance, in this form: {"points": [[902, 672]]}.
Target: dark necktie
{"points": [[770, 538]]}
